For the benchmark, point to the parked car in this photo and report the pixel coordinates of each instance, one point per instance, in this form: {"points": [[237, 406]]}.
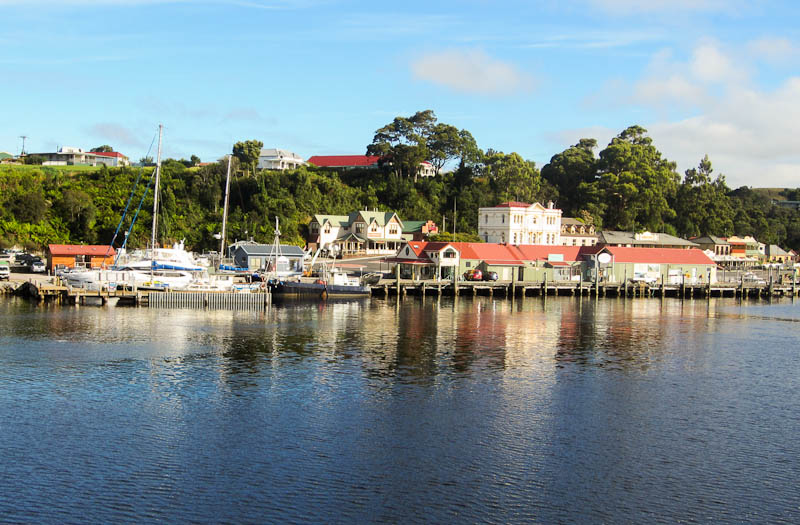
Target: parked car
{"points": [[5, 272], [490, 276], [473, 275], [38, 267]]}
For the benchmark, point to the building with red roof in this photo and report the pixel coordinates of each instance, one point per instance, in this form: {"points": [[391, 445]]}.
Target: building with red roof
{"points": [[79, 256], [111, 158], [556, 263]]}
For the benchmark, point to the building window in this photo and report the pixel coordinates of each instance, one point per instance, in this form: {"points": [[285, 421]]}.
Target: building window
{"points": [[327, 228], [486, 218], [374, 227], [359, 227], [393, 229], [503, 219]]}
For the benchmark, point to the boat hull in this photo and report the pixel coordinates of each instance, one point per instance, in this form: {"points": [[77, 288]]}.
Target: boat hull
{"points": [[301, 289]]}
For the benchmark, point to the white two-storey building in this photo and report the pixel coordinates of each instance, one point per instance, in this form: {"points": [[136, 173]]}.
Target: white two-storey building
{"points": [[520, 223], [361, 232]]}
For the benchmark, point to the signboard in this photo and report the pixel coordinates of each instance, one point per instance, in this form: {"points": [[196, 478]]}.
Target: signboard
{"points": [[604, 258]]}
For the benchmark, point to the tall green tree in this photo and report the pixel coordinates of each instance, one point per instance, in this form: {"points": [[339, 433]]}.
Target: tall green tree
{"points": [[105, 148], [247, 152], [637, 184], [513, 178], [702, 204], [568, 169]]}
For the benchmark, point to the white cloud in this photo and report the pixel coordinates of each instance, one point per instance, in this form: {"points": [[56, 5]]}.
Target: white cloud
{"points": [[772, 49], [116, 135], [748, 131], [471, 71], [638, 6]]}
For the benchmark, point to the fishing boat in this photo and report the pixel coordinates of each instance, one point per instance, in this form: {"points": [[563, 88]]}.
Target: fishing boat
{"points": [[332, 282]]}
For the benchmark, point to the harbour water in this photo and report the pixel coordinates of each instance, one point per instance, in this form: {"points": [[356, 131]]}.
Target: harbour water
{"points": [[442, 410]]}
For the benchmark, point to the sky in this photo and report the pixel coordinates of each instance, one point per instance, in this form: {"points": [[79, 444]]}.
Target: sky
{"points": [[318, 77]]}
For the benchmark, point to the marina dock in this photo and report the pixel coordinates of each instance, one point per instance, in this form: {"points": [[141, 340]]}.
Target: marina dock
{"points": [[404, 287]]}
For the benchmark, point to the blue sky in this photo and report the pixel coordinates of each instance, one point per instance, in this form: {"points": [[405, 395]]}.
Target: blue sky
{"points": [[716, 77]]}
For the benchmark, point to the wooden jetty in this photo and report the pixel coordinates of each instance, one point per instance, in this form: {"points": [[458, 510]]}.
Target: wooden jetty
{"points": [[212, 300], [404, 287]]}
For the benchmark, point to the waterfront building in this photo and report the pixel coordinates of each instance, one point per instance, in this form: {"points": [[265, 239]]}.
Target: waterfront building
{"points": [[79, 256], [642, 240], [574, 232], [428, 260], [776, 254], [360, 232], [560, 263], [279, 159], [520, 223], [257, 257], [652, 265]]}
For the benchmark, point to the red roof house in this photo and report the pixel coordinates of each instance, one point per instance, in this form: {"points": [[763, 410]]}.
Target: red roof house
{"points": [[79, 255]]}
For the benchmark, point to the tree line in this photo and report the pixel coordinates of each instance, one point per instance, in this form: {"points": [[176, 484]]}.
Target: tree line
{"points": [[628, 185]]}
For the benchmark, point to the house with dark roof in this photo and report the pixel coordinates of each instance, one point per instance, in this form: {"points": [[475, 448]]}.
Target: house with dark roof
{"points": [[574, 232], [262, 257], [642, 240], [718, 245]]}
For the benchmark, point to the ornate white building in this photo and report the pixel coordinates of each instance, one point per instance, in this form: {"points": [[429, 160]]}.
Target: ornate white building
{"points": [[520, 223]]}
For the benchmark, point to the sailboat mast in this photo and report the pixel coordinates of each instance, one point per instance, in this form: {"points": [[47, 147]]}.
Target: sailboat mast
{"points": [[225, 210], [156, 189]]}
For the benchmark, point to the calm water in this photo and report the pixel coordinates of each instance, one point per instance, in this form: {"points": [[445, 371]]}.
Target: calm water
{"points": [[437, 411]]}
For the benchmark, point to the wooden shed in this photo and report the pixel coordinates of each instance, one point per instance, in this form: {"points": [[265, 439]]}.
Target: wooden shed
{"points": [[79, 256]]}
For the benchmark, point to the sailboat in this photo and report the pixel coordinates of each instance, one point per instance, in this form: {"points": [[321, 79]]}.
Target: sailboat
{"points": [[155, 268]]}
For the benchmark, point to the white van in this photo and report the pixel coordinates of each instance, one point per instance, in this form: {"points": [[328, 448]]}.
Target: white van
{"points": [[5, 272]]}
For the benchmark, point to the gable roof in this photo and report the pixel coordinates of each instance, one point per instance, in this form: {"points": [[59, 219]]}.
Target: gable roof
{"points": [[116, 154], [513, 204], [621, 237], [267, 249], [341, 220], [381, 217], [343, 161], [658, 255], [709, 239], [80, 249]]}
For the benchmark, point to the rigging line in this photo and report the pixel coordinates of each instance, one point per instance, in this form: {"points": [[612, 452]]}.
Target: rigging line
{"points": [[144, 196], [127, 205]]}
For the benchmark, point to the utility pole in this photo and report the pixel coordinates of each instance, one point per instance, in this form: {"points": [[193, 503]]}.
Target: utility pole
{"points": [[454, 219]]}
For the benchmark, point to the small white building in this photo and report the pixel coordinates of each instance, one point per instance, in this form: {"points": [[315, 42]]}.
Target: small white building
{"points": [[520, 223], [279, 159]]}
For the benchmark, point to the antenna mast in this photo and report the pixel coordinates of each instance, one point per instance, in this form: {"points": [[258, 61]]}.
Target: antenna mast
{"points": [[156, 189], [23, 137], [225, 211]]}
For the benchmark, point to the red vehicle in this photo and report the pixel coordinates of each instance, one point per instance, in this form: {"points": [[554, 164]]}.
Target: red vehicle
{"points": [[473, 275]]}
